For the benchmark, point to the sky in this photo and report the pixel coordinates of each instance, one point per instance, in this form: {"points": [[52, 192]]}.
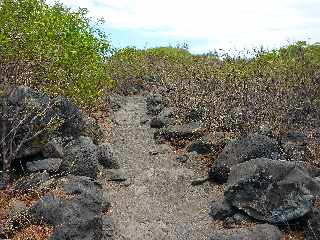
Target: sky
{"points": [[205, 25]]}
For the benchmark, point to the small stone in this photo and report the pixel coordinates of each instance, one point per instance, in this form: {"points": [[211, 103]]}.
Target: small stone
{"points": [[144, 120], [115, 175], [221, 209], [199, 181], [201, 146], [156, 123], [154, 152], [236, 219], [182, 159], [50, 165]]}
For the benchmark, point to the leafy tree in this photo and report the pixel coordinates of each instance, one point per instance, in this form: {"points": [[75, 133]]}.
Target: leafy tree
{"points": [[68, 51]]}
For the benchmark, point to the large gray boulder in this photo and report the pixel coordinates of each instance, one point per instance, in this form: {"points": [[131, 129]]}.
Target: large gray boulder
{"points": [[241, 150], [73, 121], [19, 106], [76, 217], [259, 232], [80, 158], [271, 190]]}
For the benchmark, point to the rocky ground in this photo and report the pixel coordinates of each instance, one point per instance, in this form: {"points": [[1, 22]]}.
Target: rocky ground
{"points": [[152, 180]]}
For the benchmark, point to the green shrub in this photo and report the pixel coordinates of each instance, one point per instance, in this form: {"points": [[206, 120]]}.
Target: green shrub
{"points": [[68, 52], [133, 68], [279, 88]]}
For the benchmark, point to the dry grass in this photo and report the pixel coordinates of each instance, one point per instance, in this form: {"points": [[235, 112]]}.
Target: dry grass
{"points": [[7, 197], [293, 235], [34, 232], [103, 119], [4, 201], [316, 203]]}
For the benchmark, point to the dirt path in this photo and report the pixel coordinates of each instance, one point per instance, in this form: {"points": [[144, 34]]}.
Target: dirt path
{"points": [[159, 203]]}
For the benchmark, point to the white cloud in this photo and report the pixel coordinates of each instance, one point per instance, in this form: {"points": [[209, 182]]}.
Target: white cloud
{"points": [[225, 23]]}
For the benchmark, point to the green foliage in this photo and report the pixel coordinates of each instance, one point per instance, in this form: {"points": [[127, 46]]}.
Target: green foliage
{"points": [[68, 51], [274, 88], [169, 53], [126, 67], [134, 68]]}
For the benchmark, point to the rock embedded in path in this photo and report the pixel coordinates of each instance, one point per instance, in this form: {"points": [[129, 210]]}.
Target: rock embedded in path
{"points": [[241, 150], [51, 165], [199, 181], [270, 190], [259, 232], [164, 118], [114, 175], [106, 157], [201, 146], [115, 101], [157, 123], [213, 142], [182, 159], [174, 133]]}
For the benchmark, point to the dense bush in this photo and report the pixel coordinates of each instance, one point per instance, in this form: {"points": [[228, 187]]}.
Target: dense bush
{"points": [[276, 89], [133, 68], [60, 49]]}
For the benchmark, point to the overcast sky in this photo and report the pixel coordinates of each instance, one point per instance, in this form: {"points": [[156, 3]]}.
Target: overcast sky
{"points": [[206, 24]]}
